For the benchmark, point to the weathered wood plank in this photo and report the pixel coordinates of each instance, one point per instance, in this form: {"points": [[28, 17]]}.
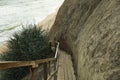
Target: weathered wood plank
{"points": [[65, 70], [13, 64]]}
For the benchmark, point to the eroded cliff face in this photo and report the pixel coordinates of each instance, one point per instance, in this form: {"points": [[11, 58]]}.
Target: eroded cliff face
{"points": [[90, 30]]}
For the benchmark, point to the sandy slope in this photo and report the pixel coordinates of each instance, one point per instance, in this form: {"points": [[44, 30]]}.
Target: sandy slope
{"points": [[3, 48], [47, 23]]}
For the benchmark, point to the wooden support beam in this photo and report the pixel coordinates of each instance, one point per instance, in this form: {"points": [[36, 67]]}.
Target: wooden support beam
{"points": [[55, 68], [13, 64], [49, 67], [32, 73], [45, 71]]}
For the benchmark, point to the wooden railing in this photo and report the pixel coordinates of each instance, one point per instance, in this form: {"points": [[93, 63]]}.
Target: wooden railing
{"points": [[48, 66]]}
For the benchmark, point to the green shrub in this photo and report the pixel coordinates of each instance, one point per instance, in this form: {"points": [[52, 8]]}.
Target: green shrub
{"points": [[29, 44]]}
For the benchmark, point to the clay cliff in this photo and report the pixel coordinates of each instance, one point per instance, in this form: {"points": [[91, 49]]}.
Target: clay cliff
{"points": [[90, 30]]}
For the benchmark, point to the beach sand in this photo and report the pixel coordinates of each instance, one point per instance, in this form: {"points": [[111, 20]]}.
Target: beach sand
{"points": [[3, 48], [47, 23]]}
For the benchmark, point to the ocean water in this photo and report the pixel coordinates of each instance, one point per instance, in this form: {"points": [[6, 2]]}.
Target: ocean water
{"points": [[14, 13]]}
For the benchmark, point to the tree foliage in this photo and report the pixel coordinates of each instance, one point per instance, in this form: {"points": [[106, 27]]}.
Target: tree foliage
{"points": [[29, 44]]}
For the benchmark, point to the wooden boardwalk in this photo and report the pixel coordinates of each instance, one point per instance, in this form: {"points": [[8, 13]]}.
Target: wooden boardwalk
{"points": [[60, 67], [65, 69]]}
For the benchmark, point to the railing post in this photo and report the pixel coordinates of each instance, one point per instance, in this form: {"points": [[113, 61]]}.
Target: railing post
{"points": [[55, 76], [45, 71], [32, 73], [49, 67]]}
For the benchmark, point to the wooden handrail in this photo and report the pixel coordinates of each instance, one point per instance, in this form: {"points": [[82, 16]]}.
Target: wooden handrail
{"points": [[35, 63], [13, 64]]}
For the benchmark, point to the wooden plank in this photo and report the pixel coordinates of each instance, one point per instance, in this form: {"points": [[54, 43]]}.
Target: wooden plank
{"points": [[13, 64], [49, 68], [52, 74], [70, 66], [32, 74], [44, 60], [45, 71], [65, 70], [65, 67], [55, 68], [60, 75]]}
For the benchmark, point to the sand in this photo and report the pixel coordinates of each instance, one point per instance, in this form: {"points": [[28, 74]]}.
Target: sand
{"points": [[3, 48], [47, 23]]}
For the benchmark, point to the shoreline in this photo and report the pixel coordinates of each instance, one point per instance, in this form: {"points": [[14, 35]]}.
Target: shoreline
{"points": [[45, 24]]}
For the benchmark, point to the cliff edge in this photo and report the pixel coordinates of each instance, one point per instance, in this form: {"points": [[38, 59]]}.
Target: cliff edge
{"points": [[90, 30]]}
